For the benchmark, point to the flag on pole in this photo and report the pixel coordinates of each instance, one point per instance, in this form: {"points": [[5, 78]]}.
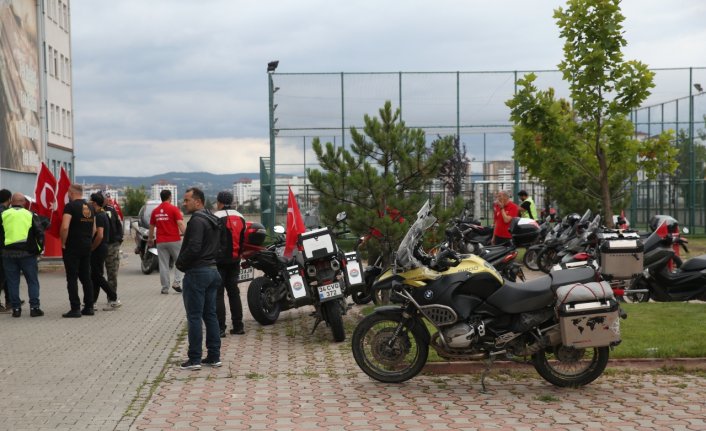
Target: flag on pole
{"points": [[45, 192], [62, 198], [295, 224]]}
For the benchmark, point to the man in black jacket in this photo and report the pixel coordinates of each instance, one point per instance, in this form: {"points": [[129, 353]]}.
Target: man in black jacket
{"points": [[197, 259]]}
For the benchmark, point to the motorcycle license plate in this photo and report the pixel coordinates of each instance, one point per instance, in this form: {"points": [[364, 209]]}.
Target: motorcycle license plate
{"points": [[246, 274], [330, 291]]}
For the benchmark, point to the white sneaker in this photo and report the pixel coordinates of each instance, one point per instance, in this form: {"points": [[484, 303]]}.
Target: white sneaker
{"points": [[113, 305]]}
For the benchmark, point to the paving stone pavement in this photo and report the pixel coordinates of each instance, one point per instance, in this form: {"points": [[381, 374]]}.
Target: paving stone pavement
{"points": [[119, 370]]}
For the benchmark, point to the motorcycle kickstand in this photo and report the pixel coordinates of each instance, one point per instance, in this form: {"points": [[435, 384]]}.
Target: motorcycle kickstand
{"points": [[488, 363], [316, 323]]}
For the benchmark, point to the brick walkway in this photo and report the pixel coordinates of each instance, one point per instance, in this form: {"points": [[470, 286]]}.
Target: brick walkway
{"points": [[116, 371]]}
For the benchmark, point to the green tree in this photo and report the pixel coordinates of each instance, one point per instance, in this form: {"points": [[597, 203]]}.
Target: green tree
{"points": [[585, 150], [384, 171], [135, 198]]}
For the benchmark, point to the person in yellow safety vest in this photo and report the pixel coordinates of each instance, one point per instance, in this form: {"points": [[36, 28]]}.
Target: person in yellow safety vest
{"points": [[527, 207], [22, 237]]}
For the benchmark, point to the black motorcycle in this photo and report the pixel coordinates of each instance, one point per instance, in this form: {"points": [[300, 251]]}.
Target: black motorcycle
{"points": [[149, 261]]}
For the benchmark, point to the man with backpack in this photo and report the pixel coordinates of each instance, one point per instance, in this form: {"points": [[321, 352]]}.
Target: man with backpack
{"points": [[115, 240], [232, 234]]}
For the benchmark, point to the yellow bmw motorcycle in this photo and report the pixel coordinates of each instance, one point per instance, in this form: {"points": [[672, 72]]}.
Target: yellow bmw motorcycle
{"points": [[565, 322]]}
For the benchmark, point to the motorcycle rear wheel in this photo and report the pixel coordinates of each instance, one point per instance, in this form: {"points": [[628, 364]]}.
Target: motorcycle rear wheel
{"points": [[148, 263], [262, 307], [530, 259], [570, 367], [334, 317], [384, 356]]}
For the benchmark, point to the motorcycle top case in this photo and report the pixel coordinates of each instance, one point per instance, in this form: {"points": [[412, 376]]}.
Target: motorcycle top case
{"points": [[588, 315], [317, 243], [621, 256], [524, 231]]}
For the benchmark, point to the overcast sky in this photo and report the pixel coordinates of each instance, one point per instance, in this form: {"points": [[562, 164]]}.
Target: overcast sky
{"points": [[181, 85]]}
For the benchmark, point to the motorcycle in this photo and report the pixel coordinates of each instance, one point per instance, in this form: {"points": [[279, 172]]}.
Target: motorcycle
{"points": [[662, 284], [553, 251], [149, 261], [565, 322], [313, 276]]}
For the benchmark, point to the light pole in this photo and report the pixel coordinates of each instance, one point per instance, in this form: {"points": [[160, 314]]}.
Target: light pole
{"points": [[271, 67]]}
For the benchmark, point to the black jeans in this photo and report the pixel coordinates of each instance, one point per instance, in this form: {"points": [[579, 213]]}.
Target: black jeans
{"points": [[99, 281], [3, 285], [77, 264], [229, 276]]}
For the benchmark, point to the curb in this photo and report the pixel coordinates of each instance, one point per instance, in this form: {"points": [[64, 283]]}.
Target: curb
{"points": [[686, 364]]}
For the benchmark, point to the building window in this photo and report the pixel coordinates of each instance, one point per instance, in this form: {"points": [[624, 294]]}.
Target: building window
{"points": [[50, 60], [66, 18], [54, 64], [67, 71]]}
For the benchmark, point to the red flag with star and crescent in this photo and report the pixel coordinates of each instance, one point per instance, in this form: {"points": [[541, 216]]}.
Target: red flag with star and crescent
{"points": [[295, 224], [62, 198], [45, 192]]}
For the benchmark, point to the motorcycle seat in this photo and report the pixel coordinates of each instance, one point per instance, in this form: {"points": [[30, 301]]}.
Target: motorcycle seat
{"points": [[515, 298], [583, 274], [697, 263]]}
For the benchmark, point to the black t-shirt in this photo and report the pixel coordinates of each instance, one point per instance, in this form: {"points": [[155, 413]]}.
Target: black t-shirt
{"points": [[81, 227], [102, 221]]}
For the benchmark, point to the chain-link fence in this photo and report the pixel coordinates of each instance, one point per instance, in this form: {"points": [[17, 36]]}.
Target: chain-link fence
{"points": [[471, 105]]}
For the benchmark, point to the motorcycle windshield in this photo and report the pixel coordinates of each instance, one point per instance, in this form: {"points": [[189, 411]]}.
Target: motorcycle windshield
{"points": [[405, 252]]}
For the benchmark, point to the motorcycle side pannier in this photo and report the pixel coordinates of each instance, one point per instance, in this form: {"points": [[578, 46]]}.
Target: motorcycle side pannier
{"points": [[524, 231], [621, 257], [588, 315], [317, 243]]}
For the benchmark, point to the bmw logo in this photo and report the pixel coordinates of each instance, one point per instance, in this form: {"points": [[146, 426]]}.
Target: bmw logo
{"points": [[428, 294], [355, 272], [298, 285]]}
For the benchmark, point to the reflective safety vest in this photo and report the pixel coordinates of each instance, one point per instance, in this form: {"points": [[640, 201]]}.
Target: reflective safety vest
{"points": [[16, 223], [532, 211]]}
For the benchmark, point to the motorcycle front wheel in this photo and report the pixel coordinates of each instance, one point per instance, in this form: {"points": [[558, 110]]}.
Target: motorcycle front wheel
{"points": [[641, 284], [334, 317], [570, 367], [545, 259], [387, 357], [263, 307], [148, 263], [530, 259]]}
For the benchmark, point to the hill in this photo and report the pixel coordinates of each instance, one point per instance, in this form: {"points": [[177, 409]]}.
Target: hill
{"points": [[211, 184]]}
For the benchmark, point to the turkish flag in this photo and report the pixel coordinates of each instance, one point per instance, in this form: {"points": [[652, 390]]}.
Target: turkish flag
{"points": [[62, 198], [295, 224], [45, 192]]}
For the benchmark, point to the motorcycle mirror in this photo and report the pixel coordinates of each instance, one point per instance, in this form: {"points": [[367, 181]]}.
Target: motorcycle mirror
{"points": [[279, 229], [685, 229], [341, 216]]}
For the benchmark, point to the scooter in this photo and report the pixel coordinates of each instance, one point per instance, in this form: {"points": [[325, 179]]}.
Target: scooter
{"points": [[658, 282], [149, 261]]}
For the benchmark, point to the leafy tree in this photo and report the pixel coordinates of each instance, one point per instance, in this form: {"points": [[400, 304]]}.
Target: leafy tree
{"points": [[585, 150], [383, 173], [135, 198]]}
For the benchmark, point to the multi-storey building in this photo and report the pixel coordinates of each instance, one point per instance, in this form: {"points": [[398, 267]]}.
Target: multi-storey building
{"points": [[36, 104], [163, 185]]}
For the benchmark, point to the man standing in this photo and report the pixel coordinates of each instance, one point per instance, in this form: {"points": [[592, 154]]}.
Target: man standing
{"points": [[197, 259], [232, 234], [527, 207], [99, 251], [77, 227], [115, 240], [23, 239], [5, 196], [167, 220], [504, 210]]}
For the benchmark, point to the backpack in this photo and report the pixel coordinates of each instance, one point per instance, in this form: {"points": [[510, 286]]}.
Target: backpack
{"points": [[116, 226], [231, 234]]}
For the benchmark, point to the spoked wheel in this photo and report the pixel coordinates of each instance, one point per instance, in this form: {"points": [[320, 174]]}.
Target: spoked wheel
{"points": [[571, 367], [530, 259], [262, 302], [334, 317], [386, 354], [545, 259]]}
